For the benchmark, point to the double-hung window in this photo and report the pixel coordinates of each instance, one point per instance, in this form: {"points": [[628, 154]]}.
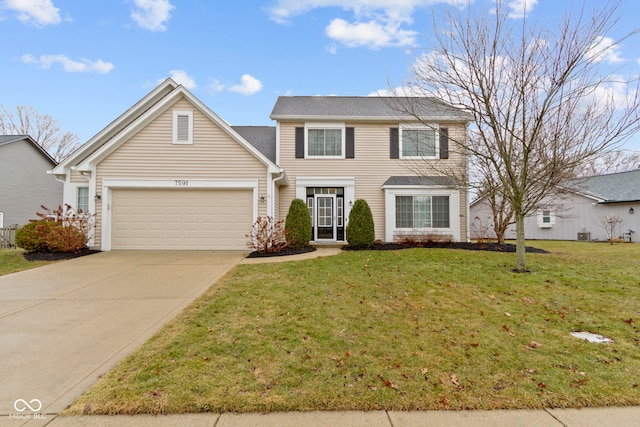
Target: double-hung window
{"points": [[419, 142], [324, 141], [422, 212], [82, 204]]}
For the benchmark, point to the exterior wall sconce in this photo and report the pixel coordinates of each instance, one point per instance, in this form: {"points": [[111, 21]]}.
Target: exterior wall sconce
{"points": [[97, 197], [631, 211], [350, 202], [262, 198]]}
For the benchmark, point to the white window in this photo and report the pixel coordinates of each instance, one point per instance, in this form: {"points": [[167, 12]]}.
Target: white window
{"points": [[1, 219], [82, 203], [183, 127], [418, 142], [546, 219], [327, 141], [310, 206], [422, 212]]}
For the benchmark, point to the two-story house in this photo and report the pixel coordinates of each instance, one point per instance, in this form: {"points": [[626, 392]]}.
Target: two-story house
{"points": [[171, 174]]}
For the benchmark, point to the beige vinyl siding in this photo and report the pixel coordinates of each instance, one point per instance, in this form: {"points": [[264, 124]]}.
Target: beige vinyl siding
{"points": [[150, 154], [371, 167], [77, 178]]}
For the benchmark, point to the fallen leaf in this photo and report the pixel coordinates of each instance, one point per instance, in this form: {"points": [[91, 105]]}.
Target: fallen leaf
{"points": [[454, 379], [424, 371], [475, 344], [534, 345], [506, 328], [507, 314]]}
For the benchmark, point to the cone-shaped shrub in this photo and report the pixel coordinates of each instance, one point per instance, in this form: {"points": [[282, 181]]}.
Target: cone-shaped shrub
{"points": [[298, 225], [360, 230]]}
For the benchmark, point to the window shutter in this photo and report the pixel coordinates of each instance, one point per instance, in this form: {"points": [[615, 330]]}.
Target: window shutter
{"points": [[394, 143], [299, 143], [182, 128], [350, 143], [444, 143]]}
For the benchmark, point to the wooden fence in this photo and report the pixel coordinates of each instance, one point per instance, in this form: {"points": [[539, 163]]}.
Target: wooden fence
{"points": [[8, 236]]}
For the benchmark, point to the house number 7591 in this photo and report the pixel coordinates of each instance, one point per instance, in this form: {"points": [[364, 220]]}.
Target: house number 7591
{"points": [[181, 182]]}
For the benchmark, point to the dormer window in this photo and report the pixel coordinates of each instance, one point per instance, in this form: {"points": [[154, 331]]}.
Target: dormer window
{"points": [[183, 127]]}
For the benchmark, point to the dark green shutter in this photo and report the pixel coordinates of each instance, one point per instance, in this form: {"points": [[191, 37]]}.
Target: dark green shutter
{"points": [[350, 143], [299, 143], [394, 143]]}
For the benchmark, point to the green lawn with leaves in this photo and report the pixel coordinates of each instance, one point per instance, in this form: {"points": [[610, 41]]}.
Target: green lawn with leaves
{"points": [[11, 261], [412, 329]]}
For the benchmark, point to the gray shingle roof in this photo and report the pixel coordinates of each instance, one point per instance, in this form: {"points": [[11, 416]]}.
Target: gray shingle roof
{"points": [[261, 137], [10, 138], [611, 188], [365, 107], [420, 180]]}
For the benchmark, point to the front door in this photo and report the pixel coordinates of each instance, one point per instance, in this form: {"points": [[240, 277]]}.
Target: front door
{"points": [[325, 217]]}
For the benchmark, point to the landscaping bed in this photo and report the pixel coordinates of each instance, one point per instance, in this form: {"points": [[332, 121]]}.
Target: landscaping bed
{"points": [[57, 256]]}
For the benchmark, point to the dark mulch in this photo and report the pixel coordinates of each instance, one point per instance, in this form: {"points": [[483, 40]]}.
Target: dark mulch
{"points": [[57, 256], [283, 252], [494, 247]]}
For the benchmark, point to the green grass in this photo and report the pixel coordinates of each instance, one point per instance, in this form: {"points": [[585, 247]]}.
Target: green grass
{"points": [[11, 261], [404, 330]]}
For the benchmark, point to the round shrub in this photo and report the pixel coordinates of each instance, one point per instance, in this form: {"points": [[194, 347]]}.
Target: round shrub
{"points": [[360, 230], [298, 224], [29, 239]]}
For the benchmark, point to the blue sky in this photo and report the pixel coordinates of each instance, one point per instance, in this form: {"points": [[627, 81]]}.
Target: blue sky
{"points": [[85, 62]]}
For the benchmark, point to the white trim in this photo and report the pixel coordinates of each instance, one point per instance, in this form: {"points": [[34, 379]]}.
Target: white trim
{"points": [[189, 115], [390, 210], [318, 125], [334, 232], [1, 219], [432, 127], [178, 183]]}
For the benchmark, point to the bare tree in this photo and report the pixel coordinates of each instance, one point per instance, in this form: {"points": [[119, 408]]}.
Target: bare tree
{"points": [[41, 127], [610, 224], [611, 162], [540, 104]]}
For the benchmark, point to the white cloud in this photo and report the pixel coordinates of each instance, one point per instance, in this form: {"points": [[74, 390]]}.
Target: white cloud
{"points": [[604, 49], [249, 85], [182, 78], [35, 12], [152, 15], [377, 23], [215, 86], [371, 34], [69, 65], [520, 8]]}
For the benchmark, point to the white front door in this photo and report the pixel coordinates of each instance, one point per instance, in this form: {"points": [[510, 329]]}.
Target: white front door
{"points": [[325, 217]]}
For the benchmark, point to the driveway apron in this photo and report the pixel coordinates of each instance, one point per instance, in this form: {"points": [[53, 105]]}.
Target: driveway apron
{"points": [[64, 324]]}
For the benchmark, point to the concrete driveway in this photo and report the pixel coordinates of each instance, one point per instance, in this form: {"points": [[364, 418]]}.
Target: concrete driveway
{"points": [[64, 324]]}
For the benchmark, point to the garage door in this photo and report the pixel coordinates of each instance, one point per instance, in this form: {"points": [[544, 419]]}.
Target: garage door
{"points": [[180, 219]]}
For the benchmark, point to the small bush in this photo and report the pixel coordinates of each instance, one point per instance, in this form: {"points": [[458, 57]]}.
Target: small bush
{"points": [[298, 224], [360, 230], [267, 236], [59, 230]]}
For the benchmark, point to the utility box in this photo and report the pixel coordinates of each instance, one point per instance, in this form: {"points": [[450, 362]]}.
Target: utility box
{"points": [[584, 236]]}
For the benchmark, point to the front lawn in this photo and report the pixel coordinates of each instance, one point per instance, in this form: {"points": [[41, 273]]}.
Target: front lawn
{"points": [[402, 330], [12, 260]]}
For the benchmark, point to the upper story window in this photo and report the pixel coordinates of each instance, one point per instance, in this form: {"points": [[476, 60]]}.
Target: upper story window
{"points": [[183, 127], [546, 219], [325, 141], [418, 142]]}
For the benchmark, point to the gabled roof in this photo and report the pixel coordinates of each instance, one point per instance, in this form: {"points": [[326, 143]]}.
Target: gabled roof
{"points": [[261, 137], [8, 139], [365, 108], [139, 116], [610, 188]]}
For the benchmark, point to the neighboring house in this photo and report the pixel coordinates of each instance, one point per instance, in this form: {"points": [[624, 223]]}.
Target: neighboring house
{"points": [[25, 184], [170, 174], [577, 213]]}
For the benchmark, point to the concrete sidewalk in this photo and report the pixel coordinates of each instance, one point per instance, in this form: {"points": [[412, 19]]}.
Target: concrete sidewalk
{"points": [[587, 417]]}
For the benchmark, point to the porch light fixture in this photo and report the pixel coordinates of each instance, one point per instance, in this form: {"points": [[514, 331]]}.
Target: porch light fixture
{"points": [[350, 202], [631, 211], [262, 198], [97, 197]]}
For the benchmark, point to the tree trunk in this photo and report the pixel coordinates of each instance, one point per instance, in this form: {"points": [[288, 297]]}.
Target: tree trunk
{"points": [[521, 264]]}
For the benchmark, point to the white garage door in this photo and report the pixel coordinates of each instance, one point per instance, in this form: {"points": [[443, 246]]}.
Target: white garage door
{"points": [[180, 219]]}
